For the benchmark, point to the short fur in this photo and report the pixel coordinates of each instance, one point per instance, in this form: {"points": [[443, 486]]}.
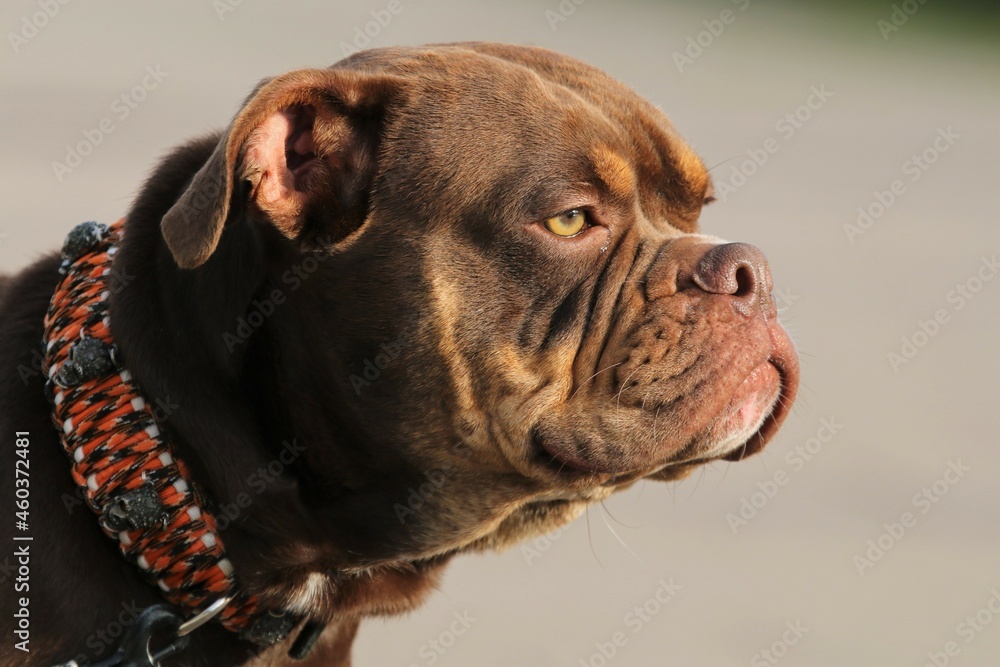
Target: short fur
{"points": [[426, 338]]}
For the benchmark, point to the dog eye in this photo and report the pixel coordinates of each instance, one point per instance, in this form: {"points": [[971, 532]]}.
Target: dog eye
{"points": [[568, 223]]}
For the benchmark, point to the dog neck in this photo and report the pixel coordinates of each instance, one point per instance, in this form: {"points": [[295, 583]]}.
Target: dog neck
{"points": [[312, 515], [126, 466]]}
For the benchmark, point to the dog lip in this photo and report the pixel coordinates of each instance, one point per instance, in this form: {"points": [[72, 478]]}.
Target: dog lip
{"points": [[784, 359], [558, 462], [572, 465], [574, 471]]}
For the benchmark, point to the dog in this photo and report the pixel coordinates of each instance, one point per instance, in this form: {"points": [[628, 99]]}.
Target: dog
{"points": [[427, 301]]}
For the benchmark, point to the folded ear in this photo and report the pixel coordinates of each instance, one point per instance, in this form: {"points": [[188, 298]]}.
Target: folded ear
{"points": [[300, 154]]}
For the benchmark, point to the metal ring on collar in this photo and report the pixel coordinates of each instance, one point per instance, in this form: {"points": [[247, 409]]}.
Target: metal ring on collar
{"points": [[203, 617]]}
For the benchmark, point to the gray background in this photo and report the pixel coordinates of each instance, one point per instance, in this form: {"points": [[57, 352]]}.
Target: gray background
{"points": [[847, 302]]}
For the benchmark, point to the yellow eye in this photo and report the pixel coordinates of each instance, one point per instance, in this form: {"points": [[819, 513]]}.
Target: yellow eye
{"points": [[567, 224]]}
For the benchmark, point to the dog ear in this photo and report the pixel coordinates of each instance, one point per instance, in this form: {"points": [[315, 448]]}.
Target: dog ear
{"points": [[300, 154]]}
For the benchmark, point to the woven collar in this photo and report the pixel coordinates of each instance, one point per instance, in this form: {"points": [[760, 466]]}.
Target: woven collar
{"points": [[120, 457]]}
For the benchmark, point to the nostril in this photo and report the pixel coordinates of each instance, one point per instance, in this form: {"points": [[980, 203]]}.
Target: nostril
{"points": [[746, 283], [736, 269]]}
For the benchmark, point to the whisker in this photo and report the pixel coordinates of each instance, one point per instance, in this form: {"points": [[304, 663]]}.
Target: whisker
{"points": [[618, 397], [590, 539], [656, 416], [698, 483], [584, 384], [621, 541], [645, 397], [719, 164], [620, 523]]}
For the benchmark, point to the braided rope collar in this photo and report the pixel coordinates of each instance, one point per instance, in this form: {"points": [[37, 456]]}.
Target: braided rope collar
{"points": [[121, 459]]}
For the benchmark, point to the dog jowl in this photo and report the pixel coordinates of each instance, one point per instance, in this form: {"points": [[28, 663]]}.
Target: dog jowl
{"points": [[519, 229]]}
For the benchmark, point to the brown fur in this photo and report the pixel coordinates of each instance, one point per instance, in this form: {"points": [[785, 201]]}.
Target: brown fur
{"points": [[522, 375]]}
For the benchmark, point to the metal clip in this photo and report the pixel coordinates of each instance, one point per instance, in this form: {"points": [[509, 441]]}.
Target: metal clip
{"points": [[136, 649]]}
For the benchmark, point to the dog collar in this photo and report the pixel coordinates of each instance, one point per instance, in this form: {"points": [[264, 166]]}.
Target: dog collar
{"points": [[121, 459]]}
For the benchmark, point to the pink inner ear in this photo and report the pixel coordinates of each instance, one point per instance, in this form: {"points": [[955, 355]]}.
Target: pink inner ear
{"points": [[278, 154]]}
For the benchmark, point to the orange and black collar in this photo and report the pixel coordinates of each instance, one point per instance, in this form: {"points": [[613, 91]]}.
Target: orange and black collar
{"points": [[122, 460]]}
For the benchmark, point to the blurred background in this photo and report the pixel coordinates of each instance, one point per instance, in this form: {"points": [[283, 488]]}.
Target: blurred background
{"points": [[856, 143]]}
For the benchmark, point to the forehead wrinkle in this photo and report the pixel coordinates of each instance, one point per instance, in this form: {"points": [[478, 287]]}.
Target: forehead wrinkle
{"points": [[616, 174], [690, 166]]}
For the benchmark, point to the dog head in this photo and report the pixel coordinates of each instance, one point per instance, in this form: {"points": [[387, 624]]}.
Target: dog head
{"points": [[497, 305]]}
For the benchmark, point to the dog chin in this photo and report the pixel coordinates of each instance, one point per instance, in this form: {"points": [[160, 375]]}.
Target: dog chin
{"points": [[753, 403]]}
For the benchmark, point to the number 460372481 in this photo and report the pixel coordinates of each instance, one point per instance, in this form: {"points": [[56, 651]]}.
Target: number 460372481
{"points": [[21, 479]]}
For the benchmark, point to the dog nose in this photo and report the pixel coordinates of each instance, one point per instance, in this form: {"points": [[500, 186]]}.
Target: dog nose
{"points": [[739, 270]]}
